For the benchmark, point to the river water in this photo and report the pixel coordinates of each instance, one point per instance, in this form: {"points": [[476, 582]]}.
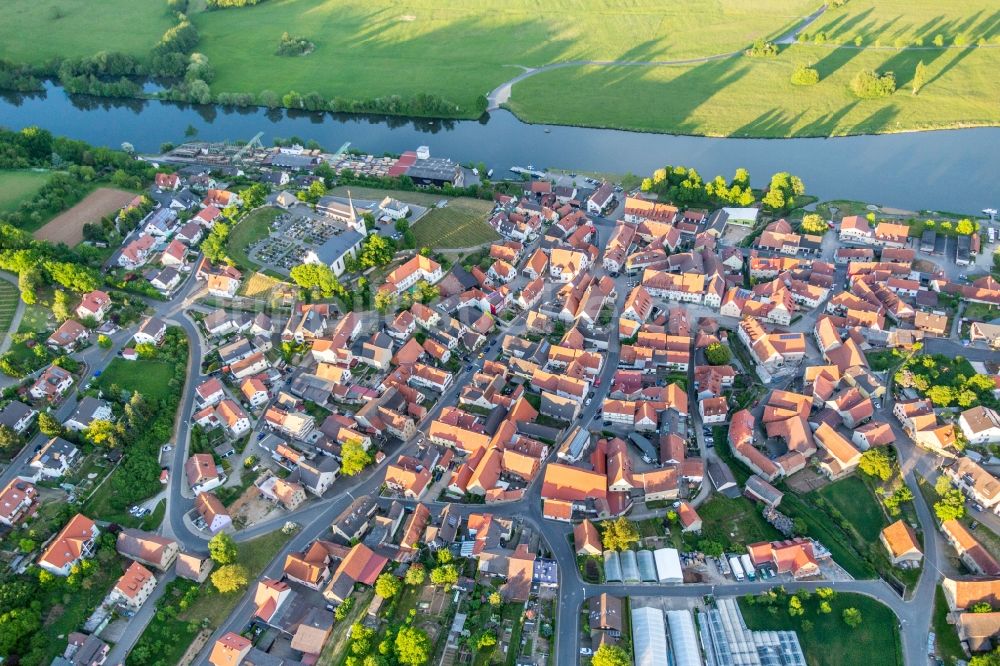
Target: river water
{"points": [[952, 170]]}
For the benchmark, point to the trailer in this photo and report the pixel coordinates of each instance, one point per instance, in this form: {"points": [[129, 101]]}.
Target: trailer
{"points": [[748, 566], [734, 564]]}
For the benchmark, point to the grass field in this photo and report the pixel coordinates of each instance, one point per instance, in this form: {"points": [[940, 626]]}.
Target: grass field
{"points": [[459, 49], [34, 32], [852, 498], [18, 186], [252, 228], [149, 378], [753, 96], [888, 20], [948, 643], [831, 642], [461, 224], [734, 522]]}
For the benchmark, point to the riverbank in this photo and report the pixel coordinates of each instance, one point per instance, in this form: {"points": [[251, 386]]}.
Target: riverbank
{"points": [[946, 170]]}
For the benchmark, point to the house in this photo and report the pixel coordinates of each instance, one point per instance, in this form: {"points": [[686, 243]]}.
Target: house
{"points": [[83, 650], [212, 512], [980, 425], [901, 541], [586, 539], [232, 650], [134, 587], [167, 181], [223, 285], [289, 495], [221, 199], [74, 543], [189, 233], [147, 548], [601, 199], [979, 631], [713, 410], [56, 458], [87, 411], [855, 229], [416, 269], [151, 331], [136, 252], [164, 280], [360, 566], [69, 334], [94, 304], [202, 473], [795, 556], [689, 518], [972, 553], [210, 392], [393, 209], [16, 500], [255, 392], [839, 458], [174, 254], [232, 416], [193, 567], [967, 591], [17, 416], [318, 475], [975, 482], [931, 324]]}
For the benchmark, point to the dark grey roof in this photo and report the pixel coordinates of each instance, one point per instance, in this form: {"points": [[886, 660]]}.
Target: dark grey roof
{"points": [[86, 409], [433, 168], [337, 245], [13, 413]]}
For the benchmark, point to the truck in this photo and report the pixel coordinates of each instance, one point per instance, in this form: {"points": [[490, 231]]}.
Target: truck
{"points": [[748, 566], [734, 564]]}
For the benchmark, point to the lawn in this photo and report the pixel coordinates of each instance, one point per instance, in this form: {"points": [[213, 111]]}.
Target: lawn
{"points": [[980, 312], [734, 522], [949, 645], [459, 225], [855, 501], [35, 32], [753, 97], [150, 378], [250, 229], [460, 50], [18, 186], [821, 526], [831, 642]]}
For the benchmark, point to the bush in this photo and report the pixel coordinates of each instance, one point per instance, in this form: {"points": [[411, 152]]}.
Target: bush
{"points": [[293, 46], [805, 76], [869, 84], [762, 49]]}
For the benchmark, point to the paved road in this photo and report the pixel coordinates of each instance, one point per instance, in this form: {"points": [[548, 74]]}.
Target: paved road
{"points": [[501, 94]]}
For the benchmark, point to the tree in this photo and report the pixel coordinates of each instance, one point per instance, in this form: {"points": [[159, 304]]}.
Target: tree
{"points": [[254, 196], [717, 354], [852, 617], [103, 341], [804, 75], [387, 586], [981, 607], [795, 606], [444, 556], [876, 462], [965, 227], [761, 49], [824, 607], [869, 84], [317, 276], [383, 301], [29, 281], [28, 545], [487, 639], [919, 77], [814, 224], [214, 246], [611, 655], [343, 609], [49, 425], [60, 306], [230, 578], [104, 433], [495, 599], [445, 575], [951, 506], [74, 277], [9, 439], [415, 575], [222, 549], [375, 251], [619, 534], [774, 199], [941, 395], [354, 458], [711, 548], [413, 648]]}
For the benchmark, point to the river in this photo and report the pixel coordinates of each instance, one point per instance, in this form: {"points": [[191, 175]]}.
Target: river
{"points": [[950, 170]]}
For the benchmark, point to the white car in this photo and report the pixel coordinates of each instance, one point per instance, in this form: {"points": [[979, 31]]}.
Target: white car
{"points": [[167, 447], [587, 402], [586, 652]]}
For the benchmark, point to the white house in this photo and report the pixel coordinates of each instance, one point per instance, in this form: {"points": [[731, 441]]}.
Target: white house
{"points": [[980, 425], [151, 331], [134, 587], [73, 544]]}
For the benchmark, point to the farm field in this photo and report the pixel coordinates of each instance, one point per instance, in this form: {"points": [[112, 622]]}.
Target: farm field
{"points": [[18, 186], [462, 223], [9, 296], [831, 642], [372, 48], [67, 227], [34, 32], [150, 378], [753, 97]]}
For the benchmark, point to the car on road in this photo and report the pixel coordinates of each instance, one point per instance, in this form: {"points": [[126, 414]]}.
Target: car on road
{"points": [[481, 355], [597, 382], [167, 447], [586, 652], [587, 402]]}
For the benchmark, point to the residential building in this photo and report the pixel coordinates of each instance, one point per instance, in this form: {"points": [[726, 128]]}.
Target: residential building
{"points": [[75, 542], [901, 541], [134, 587], [52, 384], [56, 458], [16, 500], [87, 411], [150, 549], [980, 425]]}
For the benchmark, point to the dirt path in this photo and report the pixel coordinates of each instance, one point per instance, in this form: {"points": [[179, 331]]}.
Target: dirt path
{"points": [[67, 227]]}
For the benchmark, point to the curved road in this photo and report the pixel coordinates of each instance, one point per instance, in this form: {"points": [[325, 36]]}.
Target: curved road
{"points": [[501, 94]]}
